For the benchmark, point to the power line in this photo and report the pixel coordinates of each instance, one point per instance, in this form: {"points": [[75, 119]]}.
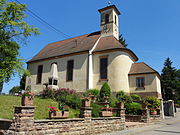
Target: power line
{"points": [[35, 16]]}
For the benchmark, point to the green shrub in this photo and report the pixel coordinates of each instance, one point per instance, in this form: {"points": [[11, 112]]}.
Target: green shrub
{"points": [[94, 92], [113, 101], [96, 109], [152, 102], [122, 97], [135, 97], [133, 108], [73, 101], [105, 91]]}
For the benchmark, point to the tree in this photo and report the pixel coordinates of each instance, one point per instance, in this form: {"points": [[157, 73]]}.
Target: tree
{"points": [[14, 90], [23, 79], [105, 91], [122, 41], [13, 30], [178, 84], [168, 80]]}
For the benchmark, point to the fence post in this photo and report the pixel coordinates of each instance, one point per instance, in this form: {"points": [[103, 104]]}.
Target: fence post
{"points": [[145, 115]]}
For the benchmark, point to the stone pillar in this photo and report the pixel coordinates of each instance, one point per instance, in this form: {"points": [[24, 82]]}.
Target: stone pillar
{"points": [[145, 115], [121, 113], [23, 121], [162, 109], [85, 112]]}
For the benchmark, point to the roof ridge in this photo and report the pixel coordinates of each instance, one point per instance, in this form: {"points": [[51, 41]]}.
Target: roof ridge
{"points": [[72, 38]]}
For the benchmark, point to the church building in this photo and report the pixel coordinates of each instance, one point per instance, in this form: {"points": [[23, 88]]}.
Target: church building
{"points": [[87, 61]]}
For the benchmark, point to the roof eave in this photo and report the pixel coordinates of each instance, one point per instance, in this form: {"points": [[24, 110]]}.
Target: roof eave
{"points": [[120, 49]]}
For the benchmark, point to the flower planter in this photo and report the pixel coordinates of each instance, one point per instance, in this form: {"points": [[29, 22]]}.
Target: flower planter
{"points": [[86, 103], [105, 113], [59, 115], [27, 101], [153, 112]]}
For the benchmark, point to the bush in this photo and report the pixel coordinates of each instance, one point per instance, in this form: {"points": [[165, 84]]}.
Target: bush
{"points": [[94, 92], [122, 97], [152, 102], [64, 96], [135, 97], [133, 108], [96, 109], [113, 101], [105, 91]]}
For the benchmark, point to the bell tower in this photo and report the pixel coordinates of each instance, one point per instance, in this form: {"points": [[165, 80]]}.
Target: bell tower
{"points": [[109, 21]]}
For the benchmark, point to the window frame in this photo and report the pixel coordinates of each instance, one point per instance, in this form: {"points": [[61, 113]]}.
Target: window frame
{"points": [[39, 75], [141, 84], [100, 72], [68, 71]]}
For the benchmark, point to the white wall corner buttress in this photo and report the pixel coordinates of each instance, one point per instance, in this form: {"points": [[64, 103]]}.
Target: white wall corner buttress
{"points": [[90, 68]]}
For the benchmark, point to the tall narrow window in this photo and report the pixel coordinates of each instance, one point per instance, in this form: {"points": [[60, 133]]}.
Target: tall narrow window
{"points": [[70, 66], [103, 68], [140, 82], [39, 74], [107, 18], [115, 19]]}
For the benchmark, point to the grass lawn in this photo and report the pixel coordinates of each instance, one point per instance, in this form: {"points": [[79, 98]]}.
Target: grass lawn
{"points": [[8, 102]]}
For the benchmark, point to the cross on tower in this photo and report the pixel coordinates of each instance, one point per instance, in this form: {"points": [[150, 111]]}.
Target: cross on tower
{"points": [[109, 3]]}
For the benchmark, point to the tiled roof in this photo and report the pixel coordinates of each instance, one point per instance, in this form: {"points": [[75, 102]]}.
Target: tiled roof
{"points": [[80, 44], [68, 46], [106, 43], [141, 68]]}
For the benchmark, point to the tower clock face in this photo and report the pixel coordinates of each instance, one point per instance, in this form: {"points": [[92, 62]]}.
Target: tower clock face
{"points": [[106, 28]]}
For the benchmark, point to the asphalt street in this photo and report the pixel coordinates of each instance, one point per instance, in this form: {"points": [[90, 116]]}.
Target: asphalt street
{"points": [[168, 126]]}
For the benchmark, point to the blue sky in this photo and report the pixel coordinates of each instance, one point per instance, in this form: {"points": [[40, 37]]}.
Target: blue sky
{"points": [[150, 27]]}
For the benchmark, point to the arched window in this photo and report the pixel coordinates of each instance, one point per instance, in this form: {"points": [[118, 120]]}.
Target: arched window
{"points": [[107, 18]]}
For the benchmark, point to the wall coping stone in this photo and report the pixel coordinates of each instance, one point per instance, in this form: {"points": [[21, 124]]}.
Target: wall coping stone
{"points": [[58, 120], [6, 120], [25, 107], [106, 118]]}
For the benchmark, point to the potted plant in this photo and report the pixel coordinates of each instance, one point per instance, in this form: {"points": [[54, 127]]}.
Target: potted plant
{"points": [[153, 104], [123, 98], [27, 99], [86, 102], [106, 111], [153, 111], [56, 113]]}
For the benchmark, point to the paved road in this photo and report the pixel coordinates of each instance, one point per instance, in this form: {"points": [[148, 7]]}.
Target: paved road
{"points": [[169, 126]]}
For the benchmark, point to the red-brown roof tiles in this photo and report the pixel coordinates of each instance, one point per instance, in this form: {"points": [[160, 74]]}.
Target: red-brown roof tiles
{"points": [[141, 68], [80, 44], [69, 46]]}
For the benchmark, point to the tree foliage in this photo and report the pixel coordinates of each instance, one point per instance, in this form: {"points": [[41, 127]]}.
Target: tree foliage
{"points": [[105, 91], [14, 90], [123, 41], [168, 80], [13, 31]]}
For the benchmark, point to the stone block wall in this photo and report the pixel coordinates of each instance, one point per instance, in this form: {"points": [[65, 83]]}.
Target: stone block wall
{"points": [[23, 123], [133, 118]]}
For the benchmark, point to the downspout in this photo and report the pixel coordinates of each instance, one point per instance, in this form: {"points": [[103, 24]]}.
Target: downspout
{"points": [[90, 65]]}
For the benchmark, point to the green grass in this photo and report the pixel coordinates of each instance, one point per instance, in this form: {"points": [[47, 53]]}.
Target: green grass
{"points": [[7, 104]]}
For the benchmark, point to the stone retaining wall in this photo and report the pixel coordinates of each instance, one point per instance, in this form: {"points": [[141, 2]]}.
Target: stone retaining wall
{"points": [[23, 123], [133, 118]]}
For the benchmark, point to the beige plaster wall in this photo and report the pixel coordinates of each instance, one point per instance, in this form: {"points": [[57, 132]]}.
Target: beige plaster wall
{"points": [[119, 64], [79, 82], [152, 83], [158, 83]]}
